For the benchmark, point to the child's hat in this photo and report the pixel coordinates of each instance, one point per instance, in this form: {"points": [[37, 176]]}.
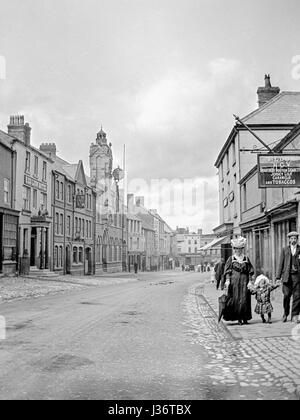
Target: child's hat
{"points": [[260, 278]]}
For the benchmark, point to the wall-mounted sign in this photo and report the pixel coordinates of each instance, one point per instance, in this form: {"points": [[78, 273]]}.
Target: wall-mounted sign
{"points": [[31, 182], [80, 201], [278, 171]]}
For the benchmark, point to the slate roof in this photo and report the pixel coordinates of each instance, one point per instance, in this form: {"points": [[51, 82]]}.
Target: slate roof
{"points": [[6, 139], [282, 109]]}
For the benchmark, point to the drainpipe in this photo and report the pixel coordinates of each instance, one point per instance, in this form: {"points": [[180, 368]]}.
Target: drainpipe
{"points": [[53, 217], [94, 229], [64, 253]]}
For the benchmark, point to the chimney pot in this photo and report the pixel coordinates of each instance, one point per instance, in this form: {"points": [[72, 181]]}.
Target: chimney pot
{"points": [[266, 93], [18, 129]]}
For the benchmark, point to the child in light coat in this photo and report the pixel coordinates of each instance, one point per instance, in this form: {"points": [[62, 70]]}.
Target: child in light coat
{"points": [[262, 289]]}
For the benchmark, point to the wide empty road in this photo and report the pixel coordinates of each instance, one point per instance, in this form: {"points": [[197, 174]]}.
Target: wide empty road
{"points": [[151, 339]]}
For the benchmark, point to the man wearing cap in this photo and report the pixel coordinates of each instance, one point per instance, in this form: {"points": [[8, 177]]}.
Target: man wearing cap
{"points": [[289, 272]]}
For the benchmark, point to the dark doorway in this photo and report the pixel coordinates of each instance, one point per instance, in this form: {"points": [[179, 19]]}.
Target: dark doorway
{"points": [[33, 247], [88, 260], [68, 260]]}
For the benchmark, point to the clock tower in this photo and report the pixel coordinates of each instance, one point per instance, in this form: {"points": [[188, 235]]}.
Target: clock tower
{"points": [[101, 161]]}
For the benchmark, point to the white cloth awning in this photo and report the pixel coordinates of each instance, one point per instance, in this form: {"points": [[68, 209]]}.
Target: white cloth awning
{"points": [[216, 242]]}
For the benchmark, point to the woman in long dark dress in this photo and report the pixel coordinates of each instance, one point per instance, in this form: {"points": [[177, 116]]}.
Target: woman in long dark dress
{"points": [[238, 274]]}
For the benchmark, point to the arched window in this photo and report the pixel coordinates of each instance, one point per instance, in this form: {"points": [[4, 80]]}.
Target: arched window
{"points": [[61, 190], [69, 194], [110, 250], [60, 256], [80, 257], [75, 255], [56, 256], [57, 190]]}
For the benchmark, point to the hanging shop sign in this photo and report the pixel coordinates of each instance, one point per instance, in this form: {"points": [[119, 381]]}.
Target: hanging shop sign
{"points": [[278, 171]]}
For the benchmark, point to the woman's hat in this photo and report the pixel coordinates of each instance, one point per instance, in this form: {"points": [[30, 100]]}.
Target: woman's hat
{"points": [[291, 234], [239, 242]]}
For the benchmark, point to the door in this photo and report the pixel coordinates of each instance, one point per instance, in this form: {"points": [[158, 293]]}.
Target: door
{"points": [[33, 247], [68, 260], [88, 260]]}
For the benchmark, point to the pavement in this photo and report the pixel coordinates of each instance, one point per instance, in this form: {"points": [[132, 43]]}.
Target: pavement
{"points": [[277, 345], [154, 337]]}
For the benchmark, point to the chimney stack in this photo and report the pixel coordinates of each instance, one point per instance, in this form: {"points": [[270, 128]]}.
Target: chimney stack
{"points": [[48, 149], [265, 94], [18, 129]]}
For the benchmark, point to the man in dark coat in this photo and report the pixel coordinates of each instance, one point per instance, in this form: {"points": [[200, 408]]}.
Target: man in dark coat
{"points": [[219, 271], [289, 272]]}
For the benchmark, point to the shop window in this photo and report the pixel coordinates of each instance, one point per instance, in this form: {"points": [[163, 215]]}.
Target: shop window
{"points": [[9, 238]]}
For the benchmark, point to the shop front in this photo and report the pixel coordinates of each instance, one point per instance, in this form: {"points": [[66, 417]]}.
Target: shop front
{"points": [[267, 236], [9, 220]]}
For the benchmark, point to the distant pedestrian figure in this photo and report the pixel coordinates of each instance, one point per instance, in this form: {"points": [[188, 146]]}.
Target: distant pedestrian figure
{"points": [[182, 267], [262, 291], [289, 272], [219, 272], [135, 268]]}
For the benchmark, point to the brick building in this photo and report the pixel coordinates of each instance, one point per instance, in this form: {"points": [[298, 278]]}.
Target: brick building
{"points": [[73, 214]]}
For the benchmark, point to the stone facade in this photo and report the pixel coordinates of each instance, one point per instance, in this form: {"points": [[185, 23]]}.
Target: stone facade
{"points": [[111, 236]]}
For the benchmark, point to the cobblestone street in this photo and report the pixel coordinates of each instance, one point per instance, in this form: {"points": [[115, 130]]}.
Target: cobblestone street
{"points": [[153, 338], [257, 355]]}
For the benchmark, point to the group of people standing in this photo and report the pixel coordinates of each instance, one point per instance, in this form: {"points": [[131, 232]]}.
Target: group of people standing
{"points": [[236, 277]]}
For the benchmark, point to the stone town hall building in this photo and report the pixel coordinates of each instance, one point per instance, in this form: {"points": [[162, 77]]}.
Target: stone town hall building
{"points": [[111, 246]]}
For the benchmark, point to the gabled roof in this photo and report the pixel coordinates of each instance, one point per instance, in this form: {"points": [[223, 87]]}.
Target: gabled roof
{"points": [[282, 110]]}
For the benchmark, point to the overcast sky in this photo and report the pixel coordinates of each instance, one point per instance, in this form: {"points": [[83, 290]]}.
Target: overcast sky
{"points": [[162, 76]]}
